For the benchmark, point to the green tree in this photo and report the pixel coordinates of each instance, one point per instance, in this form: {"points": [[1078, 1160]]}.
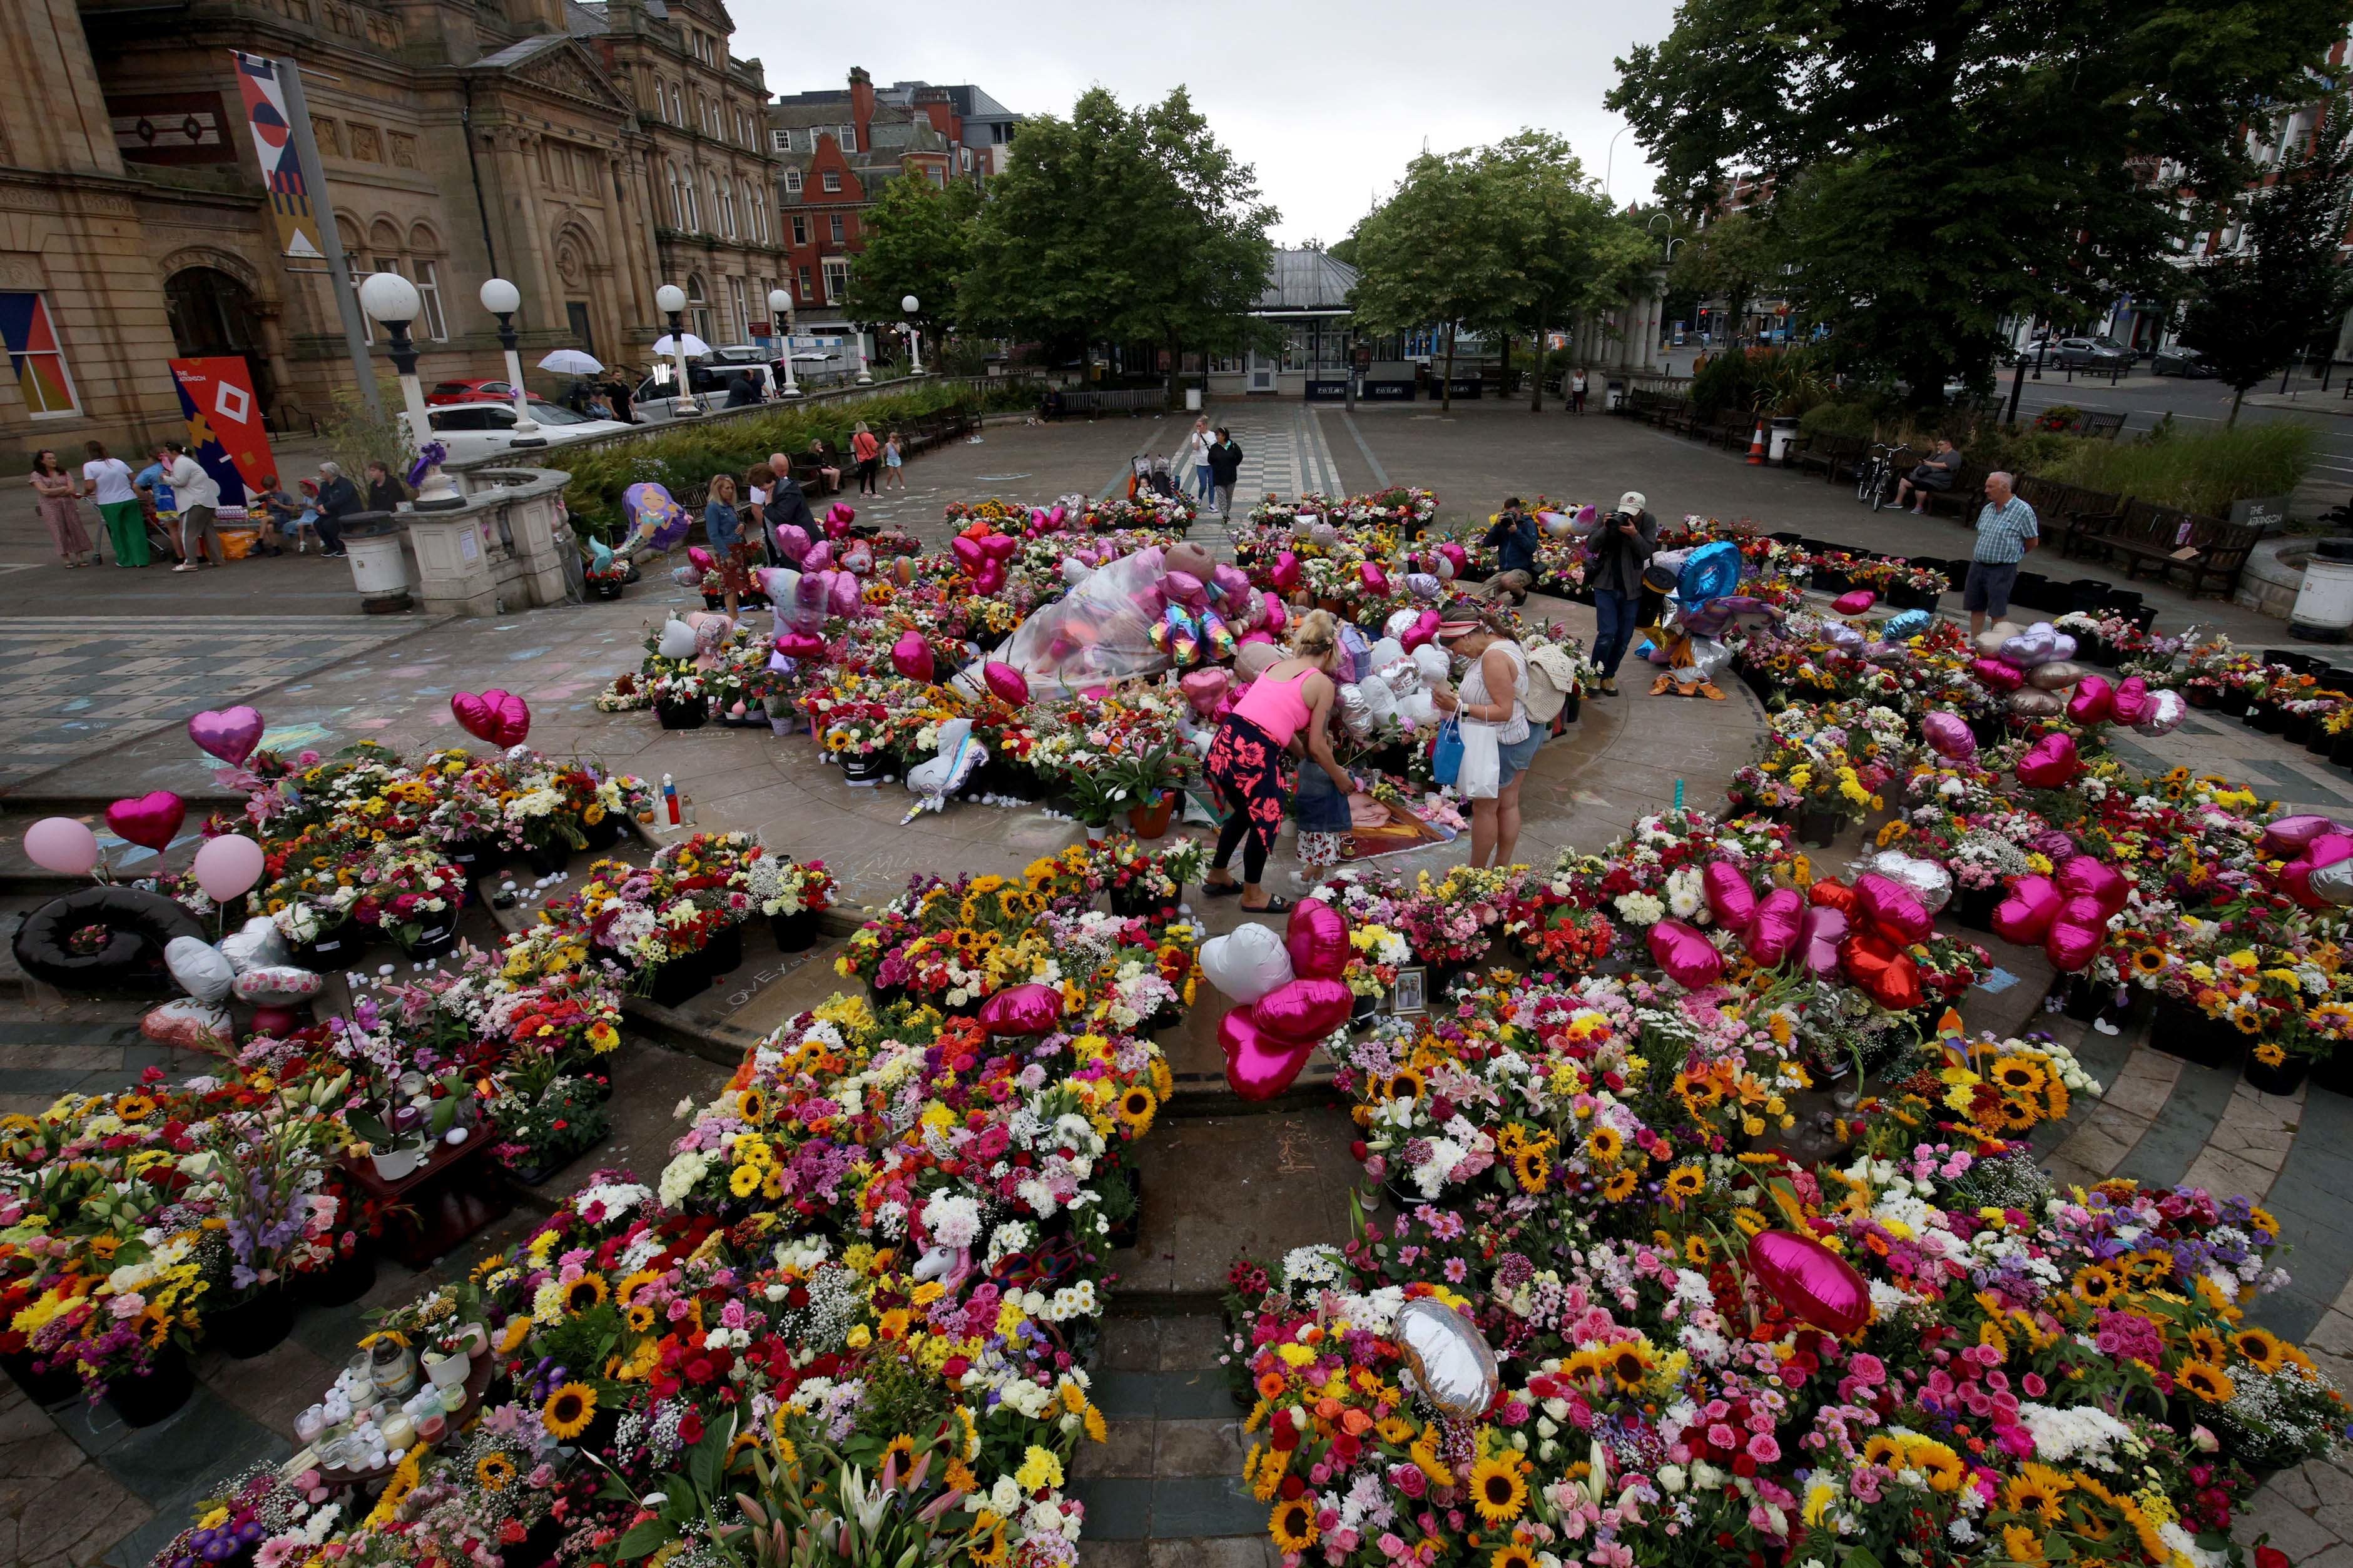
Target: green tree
{"points": [[1728, 259], [1119, 223], [1563, 251], [2253, 309], [1935, 169], [1428, 256], [918, 241]]}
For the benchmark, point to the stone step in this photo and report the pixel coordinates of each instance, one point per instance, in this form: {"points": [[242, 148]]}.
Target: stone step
{"points": [[1166, 1486]]}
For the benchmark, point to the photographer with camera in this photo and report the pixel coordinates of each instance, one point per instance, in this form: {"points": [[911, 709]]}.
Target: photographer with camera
{"points": [[1621, 545]]}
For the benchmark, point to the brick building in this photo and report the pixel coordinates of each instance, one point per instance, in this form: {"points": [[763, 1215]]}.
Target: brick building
{"points": [[459, 140]]}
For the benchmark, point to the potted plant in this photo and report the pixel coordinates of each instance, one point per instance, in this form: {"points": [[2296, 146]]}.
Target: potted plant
{"points": [[792, 894], [2271, 1069], [1147, 776], [1094, 795], [268, 1169], [679, 700], [545, 1121]]}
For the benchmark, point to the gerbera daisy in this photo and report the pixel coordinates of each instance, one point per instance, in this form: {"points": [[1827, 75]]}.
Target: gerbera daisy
{"points": [[568, 1411], [1496, 1491], [494, 1471], [2211, 1383], [1292, 1525], [745, 1181]]}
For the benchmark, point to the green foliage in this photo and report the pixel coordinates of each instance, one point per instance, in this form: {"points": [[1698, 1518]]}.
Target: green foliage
{"points": [[2202, 472], [1938, 169], [1761, 381], [1727, 260], [1853, 419], [358, 438], [918, 240]]}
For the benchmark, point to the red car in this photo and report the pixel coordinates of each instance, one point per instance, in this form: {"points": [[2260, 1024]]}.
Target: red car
{"points": [[445, 393]]}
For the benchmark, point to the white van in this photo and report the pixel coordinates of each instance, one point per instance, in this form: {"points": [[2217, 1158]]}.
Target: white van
{"points": [[655, 396]]}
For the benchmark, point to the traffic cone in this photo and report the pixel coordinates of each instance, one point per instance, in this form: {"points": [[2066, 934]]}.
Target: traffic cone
{"points": [[1756, 444]]}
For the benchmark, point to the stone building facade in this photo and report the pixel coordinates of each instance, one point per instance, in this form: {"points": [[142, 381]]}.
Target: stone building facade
{"points": [[460, 140]]}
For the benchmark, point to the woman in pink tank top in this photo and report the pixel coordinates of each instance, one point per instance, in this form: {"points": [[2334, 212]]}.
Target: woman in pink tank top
{"points": [[1285, 711]]}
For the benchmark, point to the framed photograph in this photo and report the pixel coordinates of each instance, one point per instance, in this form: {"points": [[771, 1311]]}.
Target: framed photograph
{"points": [[1411, 996]]}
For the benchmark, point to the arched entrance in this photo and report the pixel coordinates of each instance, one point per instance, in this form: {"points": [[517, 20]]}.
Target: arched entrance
{"points": [[211, 314]]}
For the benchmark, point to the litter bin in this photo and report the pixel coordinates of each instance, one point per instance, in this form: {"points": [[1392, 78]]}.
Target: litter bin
{"points": [[1785, 430], [1616, 398], [2324, 605], [373, 540], [1192, 400]]}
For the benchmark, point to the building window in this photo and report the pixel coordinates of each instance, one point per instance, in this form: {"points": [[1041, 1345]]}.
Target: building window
{"points": [[836, 222], [836, 280], [35, 356], [832, 180], [964, 159], [780, 140], [693, 206], [800, 230], [801, 289], [698, 310], [792, 181], [677, 206], [429, 294], [849, 138], [743, 316], [676, 108], [727, 210]]}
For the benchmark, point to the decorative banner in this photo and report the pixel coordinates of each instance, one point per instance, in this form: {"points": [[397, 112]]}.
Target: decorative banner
{"points": [[171, 128], [225, 431], [281, 170]]}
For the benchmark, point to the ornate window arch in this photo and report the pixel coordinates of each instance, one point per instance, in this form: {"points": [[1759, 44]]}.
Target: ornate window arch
{"points": [[676, 205]]}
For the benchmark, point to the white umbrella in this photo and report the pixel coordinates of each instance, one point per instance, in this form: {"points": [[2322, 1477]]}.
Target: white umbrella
{"points": [[695, 347], [571, 361]]}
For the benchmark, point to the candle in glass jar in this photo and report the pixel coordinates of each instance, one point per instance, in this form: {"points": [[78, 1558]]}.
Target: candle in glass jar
{"points": [[309, 1424], [431, 1425], [398, 1430]]}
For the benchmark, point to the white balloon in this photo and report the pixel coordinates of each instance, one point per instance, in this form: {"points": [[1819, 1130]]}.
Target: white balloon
{"points": [[1389, 650], [2166, 712], [1433, 661], [1400, 623], [677, 639], [256, 945], [1418, 710], [1379, 700], [199, 967], [277, 985], [1445, 570], [1247, 963]]}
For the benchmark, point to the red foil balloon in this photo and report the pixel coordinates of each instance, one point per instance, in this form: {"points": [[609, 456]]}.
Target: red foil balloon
{"points": [[1885, 971], [1729, 897], [1811, 1280], [1318, 940], [1690, 959], [1257, 1066], [1022, 1010], [1304, 1010], [1773, 934], [2075, 938], [1829, 893], [801, 646]]}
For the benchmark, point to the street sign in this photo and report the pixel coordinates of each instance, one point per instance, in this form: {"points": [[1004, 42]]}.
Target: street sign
{"points": [[760, 329]]}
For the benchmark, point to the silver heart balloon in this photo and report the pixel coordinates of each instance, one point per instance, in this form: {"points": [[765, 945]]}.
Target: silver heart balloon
{"points": [[2037, 704], [1929, 881], [2334, 883], [2056, 676], [2166, 712], [2062, 646], [1451, 1364]]}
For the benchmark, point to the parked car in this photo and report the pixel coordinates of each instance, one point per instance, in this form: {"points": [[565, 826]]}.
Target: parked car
{"points": [[473, 430], [445, 393], [2175, 359], [656, 395], [2092, 353]]}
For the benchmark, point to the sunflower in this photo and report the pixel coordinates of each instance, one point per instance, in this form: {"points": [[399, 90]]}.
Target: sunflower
{"points": [[494, 1471], [1496, 1491], [752, 1105], [1532, 1170], [2019, 1075], [2211, 1383], [904, 1446], [2206, 1345], [1699, 1093], [642, 1317], [1628, 1364], [1685, 1181], [1621, 1185], [1605, 1143], [1939, 1464], [2261, 1347], [1883, 1452], [2035, 1490], [2096, 1284], [568, 1411], [2148, 960], [1404, 1084], [986, 1544], [134, 1108], [2270, 1054], [583, 1293], [2020, 1544], [1292, 1525], [1512, 1556], [511, 1337], [1697, 1252], [1135, 1108]]}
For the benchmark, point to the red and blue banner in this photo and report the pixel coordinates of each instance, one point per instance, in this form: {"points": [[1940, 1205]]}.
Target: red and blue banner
{"points": [[274, 136], [225, 429]]}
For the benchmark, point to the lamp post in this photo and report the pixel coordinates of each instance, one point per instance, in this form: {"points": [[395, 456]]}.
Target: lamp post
{"points": [[392, 300], [858, 335], [671, 300], [503, 298], [780, 308], [914, 337], [1610, 161]]}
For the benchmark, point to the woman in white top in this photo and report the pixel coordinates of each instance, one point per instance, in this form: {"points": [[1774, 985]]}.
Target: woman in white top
{"points": [[108, 479], [1498, 742], [1197, 456]]}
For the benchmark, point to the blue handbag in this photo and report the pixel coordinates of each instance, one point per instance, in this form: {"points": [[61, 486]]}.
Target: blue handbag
{"points": [[1446, 757]]}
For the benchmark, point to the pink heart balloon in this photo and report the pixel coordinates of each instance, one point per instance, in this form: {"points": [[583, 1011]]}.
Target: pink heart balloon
{"points": [[1949, 736], [801, 646], [820, 559], [701, 558], [1230, 585], [498, 716], [1204, 689], [1022, 1010], [1855, 604], [1183, 588], [2051, 763], [1276, 617], [150, 820], [1690, 959], [968, 553], [842, 594], [792, 541], [1424, 629], [1811, 1280], [2071, 946], [2094, 700], [1893, 907], [1455, 555], [1006, 683], [2130, 704], [1773, 933], [1729, 897], [1318, 940], [2028, 911], [1997, 674], [2087, 876], [1304, 1010], [1257, 1066], [999, 546], [2293, 833], [1285, 571], [1819, 931], [991, 578], [229, 735], [1374, 579], [911, 656]]}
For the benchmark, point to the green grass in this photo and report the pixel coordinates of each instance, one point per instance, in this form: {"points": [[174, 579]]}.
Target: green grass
{"points": [[2201, 473]]}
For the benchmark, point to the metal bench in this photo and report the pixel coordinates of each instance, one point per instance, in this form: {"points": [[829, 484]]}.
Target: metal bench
{"points": [[1138, 400]]}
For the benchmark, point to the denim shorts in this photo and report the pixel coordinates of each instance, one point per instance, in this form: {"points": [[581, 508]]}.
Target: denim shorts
{"points": [[1988, 586], [1516, 756]]}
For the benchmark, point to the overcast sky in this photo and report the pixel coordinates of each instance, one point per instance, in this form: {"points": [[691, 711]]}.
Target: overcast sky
{"points": [[1329, 99]]}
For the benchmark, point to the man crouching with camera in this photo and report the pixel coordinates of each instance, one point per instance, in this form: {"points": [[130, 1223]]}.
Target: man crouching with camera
{"points": [[1621, 545]]}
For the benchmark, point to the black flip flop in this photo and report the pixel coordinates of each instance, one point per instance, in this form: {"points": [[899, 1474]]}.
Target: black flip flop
{"points": [[1277, 905], [1222, 890]]}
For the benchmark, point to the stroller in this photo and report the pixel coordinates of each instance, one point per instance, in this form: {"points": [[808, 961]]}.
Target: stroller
{"points": [[1152, 473]]}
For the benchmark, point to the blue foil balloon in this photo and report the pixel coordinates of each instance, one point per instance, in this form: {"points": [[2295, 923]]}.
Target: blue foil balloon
{"points": [[1709, 573], [1905, 627]]}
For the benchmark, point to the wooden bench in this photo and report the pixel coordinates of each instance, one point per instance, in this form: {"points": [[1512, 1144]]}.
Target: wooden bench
{"points": [[2100, 426], [2070, 516], [1832, 453], [1138, 400], [2154, 536], [1967, 494]]}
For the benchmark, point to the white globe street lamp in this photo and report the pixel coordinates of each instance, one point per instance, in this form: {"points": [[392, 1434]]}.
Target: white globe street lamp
{"points": [[780, 308], [915, 338], [503, 299], [392, 300], [671, 300]]}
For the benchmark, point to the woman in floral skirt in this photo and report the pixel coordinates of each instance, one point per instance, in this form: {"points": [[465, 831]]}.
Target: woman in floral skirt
{"points": [[1285, 712]]}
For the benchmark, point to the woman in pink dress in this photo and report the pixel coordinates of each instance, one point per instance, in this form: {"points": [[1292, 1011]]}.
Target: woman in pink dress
{"points": [[60, 497]]}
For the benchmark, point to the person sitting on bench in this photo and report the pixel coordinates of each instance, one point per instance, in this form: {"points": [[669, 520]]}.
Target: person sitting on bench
{"points": [[1934, 474]]}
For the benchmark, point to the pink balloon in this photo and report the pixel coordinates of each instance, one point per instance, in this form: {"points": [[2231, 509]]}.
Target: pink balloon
{"points": [[1819, 931], [496, 716], [1318, 940], [2071, 946], [1456, 555], [2028, 911], [1285, 571], [1183, 588], [1375, 580], [1304, 1010], [842, 594], [801, 646], [1855, 604], [1277, 618], [1812, 1281], [701, 558], [62, 844], [150, 820], [1022, 1010], [991, 578], [1729, 897], [1248, 638], [911, 656], [968, 553], [2094, 700], [818, 559], [1230, 585], [996, 546], [1006, 683], [2130, 704], [1424, 629], [2087, 876], [1690, 959], [227, 867], [792, 541], [1893, 907], [1949, 736], [1997, 674], [1774, 932], [1054, 518], [230, 735], [2297, 876], [2051, 763], [1204, 688], [2293, 833], [1257, 1066]]}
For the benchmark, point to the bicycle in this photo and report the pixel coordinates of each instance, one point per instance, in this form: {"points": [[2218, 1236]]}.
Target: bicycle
{"points": [[1874, 481]]}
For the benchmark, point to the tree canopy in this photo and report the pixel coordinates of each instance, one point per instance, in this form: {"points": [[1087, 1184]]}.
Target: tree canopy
{"points": [[919, 241], [1935, 169]]}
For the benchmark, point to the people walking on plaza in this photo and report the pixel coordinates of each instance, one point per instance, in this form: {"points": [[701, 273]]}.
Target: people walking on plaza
{"points": [[1194, 458], [2006, 529], [894, 464], [868, 451], [1514, 539], [1622, 547], [1936, 471], [199, 498], [1225, 468], [725, 528], [1285, 709], [1491, 708], [384, 493], [1577, 392], [338, 499], [60, 509], [111, 492]]}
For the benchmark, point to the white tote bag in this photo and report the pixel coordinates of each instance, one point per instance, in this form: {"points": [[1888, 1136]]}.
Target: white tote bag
{"points": [[1482, 778]]}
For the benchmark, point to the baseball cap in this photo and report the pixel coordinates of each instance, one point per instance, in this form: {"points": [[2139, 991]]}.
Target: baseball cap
{"points": [[1632, 501]]}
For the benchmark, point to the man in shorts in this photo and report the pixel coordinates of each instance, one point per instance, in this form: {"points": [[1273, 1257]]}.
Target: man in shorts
{"points": [[2006, 529]]}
